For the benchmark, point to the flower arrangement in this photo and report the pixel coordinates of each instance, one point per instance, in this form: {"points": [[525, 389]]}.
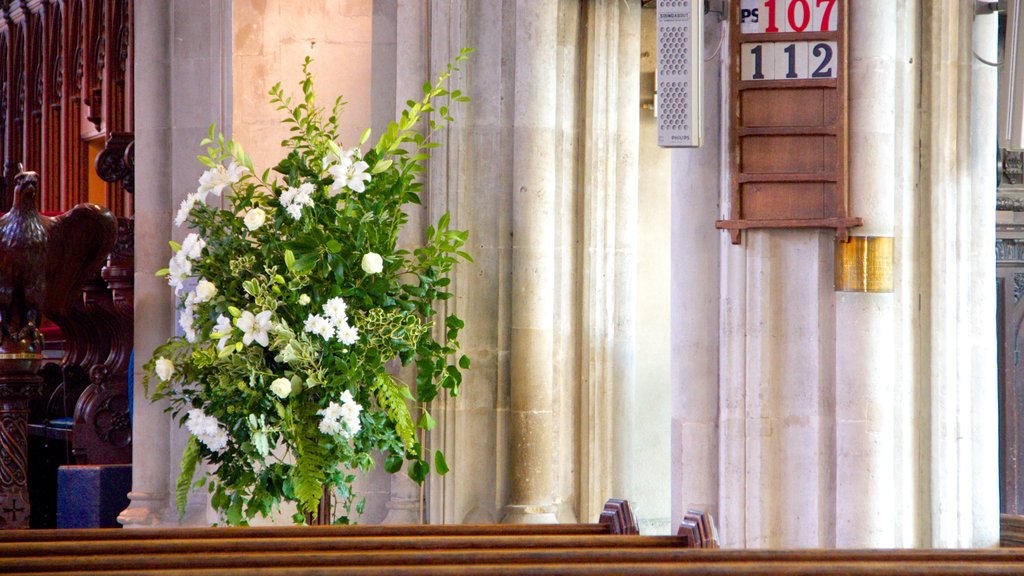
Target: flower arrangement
{"points": [[292, 301]]}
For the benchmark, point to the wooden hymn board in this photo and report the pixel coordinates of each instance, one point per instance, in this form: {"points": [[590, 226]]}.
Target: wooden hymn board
{"points": [[788, 125]]}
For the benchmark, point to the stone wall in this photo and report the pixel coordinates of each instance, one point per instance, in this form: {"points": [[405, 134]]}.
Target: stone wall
{"points": [[271, 40]]}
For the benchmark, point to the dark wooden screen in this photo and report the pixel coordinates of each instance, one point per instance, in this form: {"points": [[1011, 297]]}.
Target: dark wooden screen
{"points": [[65, 99]]}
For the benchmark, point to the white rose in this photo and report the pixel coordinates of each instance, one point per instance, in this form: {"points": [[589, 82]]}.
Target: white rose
{"points": [[282, 387], [372, 263], [164, 369], [205, 291], [255, 218]]}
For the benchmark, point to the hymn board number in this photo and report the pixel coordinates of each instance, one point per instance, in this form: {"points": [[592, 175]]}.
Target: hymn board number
{"points": [[794, 59], [788, 141]]}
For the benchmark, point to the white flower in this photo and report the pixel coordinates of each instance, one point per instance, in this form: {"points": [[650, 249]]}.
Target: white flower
{"points": [[341, 418], [348, 335], [335, 309], [179, 270], [254, 327], [223, 327], [255, 218], [191, 247], [164, 369], [350, 416], [317, 324], [347, 173], [205, 291], [282, 387], [207, 429], [185, 208], [372, 263], [216, 179], [293, 199], [304, 299], [186, 319]]}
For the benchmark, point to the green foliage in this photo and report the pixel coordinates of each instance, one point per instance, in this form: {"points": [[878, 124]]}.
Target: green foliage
{"points": [[189, 459], [392, 396], [281, 375]]}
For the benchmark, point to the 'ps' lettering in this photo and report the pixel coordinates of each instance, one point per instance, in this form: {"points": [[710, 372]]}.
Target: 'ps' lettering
{"points": [[748, 15]]}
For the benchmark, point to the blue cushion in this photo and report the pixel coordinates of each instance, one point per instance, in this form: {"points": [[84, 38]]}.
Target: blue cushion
{"points": [[131, 384], [91, 496], [62, 423]]}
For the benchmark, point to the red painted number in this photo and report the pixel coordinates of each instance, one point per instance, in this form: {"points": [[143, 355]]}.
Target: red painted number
{"points": [[770, 7], [805, 15], [826, 16]]}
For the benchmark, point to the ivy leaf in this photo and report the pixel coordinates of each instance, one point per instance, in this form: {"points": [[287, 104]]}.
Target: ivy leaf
{"points": [[393, 463], [426, 421], [418, 471], [439, 463]]}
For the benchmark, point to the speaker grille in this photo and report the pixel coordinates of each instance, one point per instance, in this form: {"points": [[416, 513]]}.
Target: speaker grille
{"points": [[679, 73]]}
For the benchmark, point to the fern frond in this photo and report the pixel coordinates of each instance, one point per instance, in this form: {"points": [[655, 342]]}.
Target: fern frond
{"points": [[391, 396], [308, 472], [189, 459]]}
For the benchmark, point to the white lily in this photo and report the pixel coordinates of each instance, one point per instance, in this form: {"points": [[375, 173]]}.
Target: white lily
{"points": [[179, 271], [348, 173], [254, 327], [216, 179], [223, 327]]}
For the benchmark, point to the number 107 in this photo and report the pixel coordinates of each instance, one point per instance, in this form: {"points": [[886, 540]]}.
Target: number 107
{"points": [[797, 16]]}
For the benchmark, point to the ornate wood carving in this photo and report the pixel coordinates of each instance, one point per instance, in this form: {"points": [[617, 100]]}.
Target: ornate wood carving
{"points": [[56, 57]]}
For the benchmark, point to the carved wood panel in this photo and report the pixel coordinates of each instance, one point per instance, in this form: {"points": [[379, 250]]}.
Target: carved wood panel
{"points": [[65, 96]]}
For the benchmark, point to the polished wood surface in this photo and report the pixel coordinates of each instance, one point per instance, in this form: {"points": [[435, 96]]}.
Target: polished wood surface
{"points": [[459, 549]]}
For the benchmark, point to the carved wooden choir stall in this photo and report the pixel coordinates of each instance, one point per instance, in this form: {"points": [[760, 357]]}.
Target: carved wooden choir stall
{"points": [[66, 113]]}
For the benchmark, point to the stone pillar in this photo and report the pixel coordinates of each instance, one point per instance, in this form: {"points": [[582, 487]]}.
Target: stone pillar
{"points": [[869, 391], [531, 418], [696, 186], [189, 42], [608, 272], [149, 498], [405, 55], [979, 336], [958, 102]]}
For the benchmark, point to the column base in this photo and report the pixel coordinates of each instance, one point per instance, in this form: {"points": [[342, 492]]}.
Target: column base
{"points": [[525, 514], [144, 510], [402, 512]]}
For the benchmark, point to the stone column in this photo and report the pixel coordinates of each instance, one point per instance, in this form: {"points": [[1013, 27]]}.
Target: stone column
{"points": [[869, 391], [533, 290], [405, 54], [608, 210], [183, 82], [979, 336], [696, 185], [149, 498], [958, 201]]}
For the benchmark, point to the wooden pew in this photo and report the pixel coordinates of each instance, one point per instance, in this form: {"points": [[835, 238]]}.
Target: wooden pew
{"points": [[574, 549]]}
